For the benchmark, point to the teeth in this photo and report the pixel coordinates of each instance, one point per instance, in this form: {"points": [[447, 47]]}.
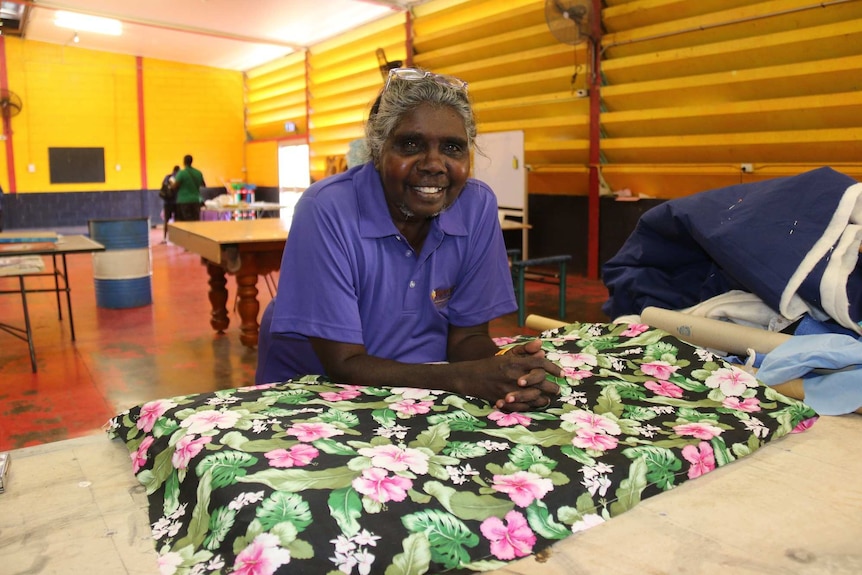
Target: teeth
{"points": [[427, 190]]}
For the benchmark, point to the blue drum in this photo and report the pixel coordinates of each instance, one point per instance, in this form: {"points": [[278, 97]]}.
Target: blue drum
{"points": [[123, 272]]}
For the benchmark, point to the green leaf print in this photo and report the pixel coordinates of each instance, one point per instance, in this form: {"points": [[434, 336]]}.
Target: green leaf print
{"points": [[225, 467], [200, 519], [662, 464], [525, 456], [609, 402], [172, 493], [722, 454], [333, 447], [415, 559], [578, 454], [164, 427], [279, 507], [464, 450], [385, 417], [294, 396], [345, 506], [466, 505], [339, 417], [221, 521], [629, 492], [447, 535], [541, 522], [434, 438], [295, 480], [457, 421]]}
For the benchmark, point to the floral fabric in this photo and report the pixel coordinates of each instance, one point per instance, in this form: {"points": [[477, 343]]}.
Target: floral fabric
{"points": [[313, 477]]}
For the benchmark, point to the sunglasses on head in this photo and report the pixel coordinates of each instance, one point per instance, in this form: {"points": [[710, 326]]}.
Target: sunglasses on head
{"points": [[412, 75]]}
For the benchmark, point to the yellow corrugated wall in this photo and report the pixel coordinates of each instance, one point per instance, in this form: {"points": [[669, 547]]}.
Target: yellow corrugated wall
{"points": [[691, 90], [344, 78]]}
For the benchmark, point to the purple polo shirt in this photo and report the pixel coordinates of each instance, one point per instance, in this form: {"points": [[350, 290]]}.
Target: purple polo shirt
{"points": [[348, 275]]}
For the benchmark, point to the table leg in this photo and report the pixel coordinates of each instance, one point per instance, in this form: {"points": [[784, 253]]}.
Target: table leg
{"points": [[218, 297], [27, 325], [68, 291], [248, 307]]}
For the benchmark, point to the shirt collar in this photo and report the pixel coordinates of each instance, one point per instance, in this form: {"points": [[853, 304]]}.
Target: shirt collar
{"points": [[374, 218]]}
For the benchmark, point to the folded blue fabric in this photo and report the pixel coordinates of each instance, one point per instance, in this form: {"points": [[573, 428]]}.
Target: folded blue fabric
{"points": [[811, 326], [812, 357]]}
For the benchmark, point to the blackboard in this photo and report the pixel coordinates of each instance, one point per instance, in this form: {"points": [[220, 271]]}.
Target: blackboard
{"points": [[76, 165]]}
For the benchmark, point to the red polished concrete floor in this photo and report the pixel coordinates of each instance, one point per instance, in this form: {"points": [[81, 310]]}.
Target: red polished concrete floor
{"points": [[123, 357]]}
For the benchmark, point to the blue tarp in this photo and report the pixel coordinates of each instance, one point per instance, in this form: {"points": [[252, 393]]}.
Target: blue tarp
{"points": [[793, 242]]}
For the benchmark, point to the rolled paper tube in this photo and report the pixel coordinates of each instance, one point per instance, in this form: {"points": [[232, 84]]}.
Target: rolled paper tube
{"points": [[542, 323], [712, 333]]}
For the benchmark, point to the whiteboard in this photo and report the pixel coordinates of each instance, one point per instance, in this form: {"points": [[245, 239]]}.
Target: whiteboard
{"points": [[499, 162]]}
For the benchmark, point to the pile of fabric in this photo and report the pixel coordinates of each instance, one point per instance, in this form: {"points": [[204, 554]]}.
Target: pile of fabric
{"points": [[781, 254]]}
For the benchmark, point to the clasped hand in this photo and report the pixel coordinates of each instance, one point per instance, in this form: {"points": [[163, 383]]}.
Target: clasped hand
{"points": [[520, 379]]}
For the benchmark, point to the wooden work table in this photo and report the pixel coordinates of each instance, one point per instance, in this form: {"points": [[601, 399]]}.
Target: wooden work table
{"points": [[244, 248], [791, 508]]}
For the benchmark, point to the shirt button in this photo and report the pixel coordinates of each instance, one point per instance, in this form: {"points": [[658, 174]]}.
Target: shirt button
{"points": [[408, 253], [412, 284]]}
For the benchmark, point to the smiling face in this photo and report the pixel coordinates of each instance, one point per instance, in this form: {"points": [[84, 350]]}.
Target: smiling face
{"points": [[425, 162]]}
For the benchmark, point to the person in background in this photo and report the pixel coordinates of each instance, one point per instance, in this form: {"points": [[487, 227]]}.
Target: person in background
{"points": [[398, 265], [168, 193], [188, 184]]}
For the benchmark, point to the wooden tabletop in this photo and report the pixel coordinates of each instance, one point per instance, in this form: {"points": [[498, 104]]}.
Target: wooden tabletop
{"points": [[208, 238], [64, 244]]}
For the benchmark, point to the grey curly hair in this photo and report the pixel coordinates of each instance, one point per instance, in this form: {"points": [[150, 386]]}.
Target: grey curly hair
{"points": [[402, 97]]}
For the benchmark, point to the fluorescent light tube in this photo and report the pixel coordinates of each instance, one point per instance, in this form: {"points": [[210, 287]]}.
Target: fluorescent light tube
{"points": [[87, 23]]}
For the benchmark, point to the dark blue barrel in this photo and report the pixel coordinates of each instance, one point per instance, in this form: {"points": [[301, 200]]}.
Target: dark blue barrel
{"points": [[123, 272]]}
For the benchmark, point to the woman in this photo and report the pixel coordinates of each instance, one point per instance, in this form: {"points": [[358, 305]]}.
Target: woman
{"points": [[398, 265]]}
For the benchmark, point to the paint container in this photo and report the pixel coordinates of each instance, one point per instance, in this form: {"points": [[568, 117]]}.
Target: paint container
{"points": [[123, 272]]}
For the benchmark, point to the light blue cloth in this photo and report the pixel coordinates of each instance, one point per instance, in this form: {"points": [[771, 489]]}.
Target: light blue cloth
{"points": [[813, 357]]}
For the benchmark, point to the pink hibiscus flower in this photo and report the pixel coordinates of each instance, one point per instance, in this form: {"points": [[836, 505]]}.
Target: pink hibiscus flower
{"points": [[312, 431], [592, 439], [139, 457], [378, 486], [511, 539], [664, 388], [576, 373], [592, 421], [506, 419], [659, 369], [731, 381], [573, 360], [803, 425], [394, 458], [702, 459], [152, 411], [209, 419], [634, 329], [699, 430], [186, 448], [262, 556], [347, 393], [412, 407], [299, 455], [748, 405], [523, 487]]}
